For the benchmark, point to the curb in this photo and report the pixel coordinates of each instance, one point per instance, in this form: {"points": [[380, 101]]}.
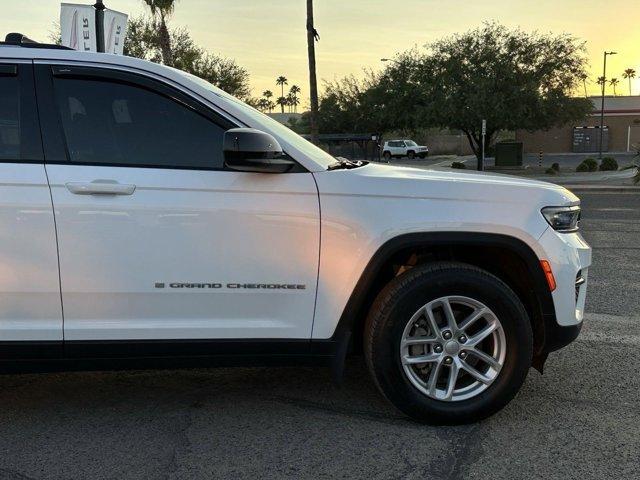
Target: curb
{"points": [[602, 188]]}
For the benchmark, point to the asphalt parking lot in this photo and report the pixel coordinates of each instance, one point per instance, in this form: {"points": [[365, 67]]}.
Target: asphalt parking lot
{"points": [[581, 419]]}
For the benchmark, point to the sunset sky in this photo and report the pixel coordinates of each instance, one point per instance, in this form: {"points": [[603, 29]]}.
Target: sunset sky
{"points": [[268, 37]]}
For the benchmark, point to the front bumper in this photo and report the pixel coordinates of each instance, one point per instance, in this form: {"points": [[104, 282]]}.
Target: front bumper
{"points": [[570, 258]]}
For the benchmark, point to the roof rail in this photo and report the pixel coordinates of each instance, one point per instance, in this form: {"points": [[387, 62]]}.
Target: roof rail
{"points": [[21, 40]]}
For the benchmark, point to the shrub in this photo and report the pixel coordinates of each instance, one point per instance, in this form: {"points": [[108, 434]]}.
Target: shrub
{"points": [[608, 164], [587, 165], [458, 165], [551, 171], [556, 167]]}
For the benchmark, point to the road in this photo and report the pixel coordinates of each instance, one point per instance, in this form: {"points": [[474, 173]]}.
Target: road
{"points": [[581, 419]]}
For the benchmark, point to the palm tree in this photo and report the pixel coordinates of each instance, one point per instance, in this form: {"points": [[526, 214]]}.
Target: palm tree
{"points": [[584, 77], [312, 36], [161, 10], [293, 93], [282, 101], [629, 74], [602, 82], [271, 106], [263, 104], [614, 83], [282, 81], [267, 94]]}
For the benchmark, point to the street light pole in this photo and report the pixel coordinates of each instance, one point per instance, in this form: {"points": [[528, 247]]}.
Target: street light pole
{"points": [[604, 83], [99, 6]]}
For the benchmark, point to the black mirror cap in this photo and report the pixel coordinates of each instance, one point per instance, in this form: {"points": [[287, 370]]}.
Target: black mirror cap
{"points": [[251, 142], [251, 150]]}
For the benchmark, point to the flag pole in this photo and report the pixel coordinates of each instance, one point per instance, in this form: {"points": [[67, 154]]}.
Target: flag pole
{"points": [[99, 6]]}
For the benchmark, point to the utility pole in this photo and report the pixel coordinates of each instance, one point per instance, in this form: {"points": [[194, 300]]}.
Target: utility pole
{"points": [[312, 36], [99, 6], [604, 83]]}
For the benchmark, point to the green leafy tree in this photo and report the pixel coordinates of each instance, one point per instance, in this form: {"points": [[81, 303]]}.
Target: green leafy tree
{"points": [[629, 74], [143, 41], [510, 78]]}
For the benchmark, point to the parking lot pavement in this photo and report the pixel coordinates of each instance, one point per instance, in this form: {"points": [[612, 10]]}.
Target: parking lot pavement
{"points": [[579, 420]]}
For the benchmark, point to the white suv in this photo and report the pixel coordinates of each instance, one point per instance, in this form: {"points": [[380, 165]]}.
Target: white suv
{"points": [[150, 219], [403, 148]]}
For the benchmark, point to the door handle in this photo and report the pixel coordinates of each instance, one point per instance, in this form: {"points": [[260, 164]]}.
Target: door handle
{"points": [[100, 187]]}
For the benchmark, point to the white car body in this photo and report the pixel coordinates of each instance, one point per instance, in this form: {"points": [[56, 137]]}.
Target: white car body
{"points": [[404, 148], [81, 269]]}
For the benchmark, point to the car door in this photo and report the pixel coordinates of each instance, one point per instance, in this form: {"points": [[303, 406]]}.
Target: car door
{"points": [[31, 313], [157, 240]]}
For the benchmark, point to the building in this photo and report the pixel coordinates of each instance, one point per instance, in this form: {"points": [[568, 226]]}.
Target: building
{"points": [[622, 130]]}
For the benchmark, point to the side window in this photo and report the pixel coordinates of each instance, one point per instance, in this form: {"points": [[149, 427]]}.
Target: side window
{"points": [[19, 130], [108, 122]]}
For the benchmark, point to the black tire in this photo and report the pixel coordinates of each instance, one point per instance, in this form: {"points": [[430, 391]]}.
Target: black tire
{"points": [[398, 302], [411, 155], [423, 156], [387, 156]]}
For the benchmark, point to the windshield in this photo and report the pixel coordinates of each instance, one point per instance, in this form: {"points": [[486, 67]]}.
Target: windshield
{"points": [[278, 129], [410, 143]]}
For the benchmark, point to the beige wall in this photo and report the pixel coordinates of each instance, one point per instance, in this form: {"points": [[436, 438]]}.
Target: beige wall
{"points": [[560, 140]]}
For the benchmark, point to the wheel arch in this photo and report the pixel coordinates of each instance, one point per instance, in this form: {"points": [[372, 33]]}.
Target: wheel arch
{"points": [[509, 258]]}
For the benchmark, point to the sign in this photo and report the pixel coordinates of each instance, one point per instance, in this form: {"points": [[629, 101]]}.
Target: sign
{"points": [[78, 26], [484, 127], [115, 31]]}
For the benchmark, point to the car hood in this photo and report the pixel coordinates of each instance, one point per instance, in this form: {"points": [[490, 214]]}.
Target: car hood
{"points": [[376, 179]]}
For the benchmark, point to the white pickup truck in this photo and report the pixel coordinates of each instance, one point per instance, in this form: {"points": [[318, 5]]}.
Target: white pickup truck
{"points": [[149, 219]]}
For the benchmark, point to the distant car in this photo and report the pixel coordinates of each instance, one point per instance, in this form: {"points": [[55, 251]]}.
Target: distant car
{"points": [[403, 148]]}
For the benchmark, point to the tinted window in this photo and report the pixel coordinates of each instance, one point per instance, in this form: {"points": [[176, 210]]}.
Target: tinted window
{"points": [[116, 123], [9, 118]]}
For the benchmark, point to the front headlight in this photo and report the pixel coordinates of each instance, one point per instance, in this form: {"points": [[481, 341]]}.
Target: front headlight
{"points": [[562, 219]]}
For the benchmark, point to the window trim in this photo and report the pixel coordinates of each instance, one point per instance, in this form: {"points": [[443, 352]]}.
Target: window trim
{"points": [[30, 128], [56, 150]]}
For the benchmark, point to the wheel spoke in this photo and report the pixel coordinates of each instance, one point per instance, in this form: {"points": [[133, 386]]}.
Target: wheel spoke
{"points": [[409, 360], [433, 379], [486, 358], [451, 382], [448, 313], [482, 334], [475, 373], [418, 341], [473, 318], [435, 330]]}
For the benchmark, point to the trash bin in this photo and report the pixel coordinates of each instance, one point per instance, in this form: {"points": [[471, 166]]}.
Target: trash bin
{"points": [[509, 154]]}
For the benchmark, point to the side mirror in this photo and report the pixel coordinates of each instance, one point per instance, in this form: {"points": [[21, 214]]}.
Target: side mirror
{"points": [[250, 150]]}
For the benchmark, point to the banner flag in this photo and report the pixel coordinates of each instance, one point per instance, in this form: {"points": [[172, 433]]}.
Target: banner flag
{"points": [[78, 27], [115, 31]]}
